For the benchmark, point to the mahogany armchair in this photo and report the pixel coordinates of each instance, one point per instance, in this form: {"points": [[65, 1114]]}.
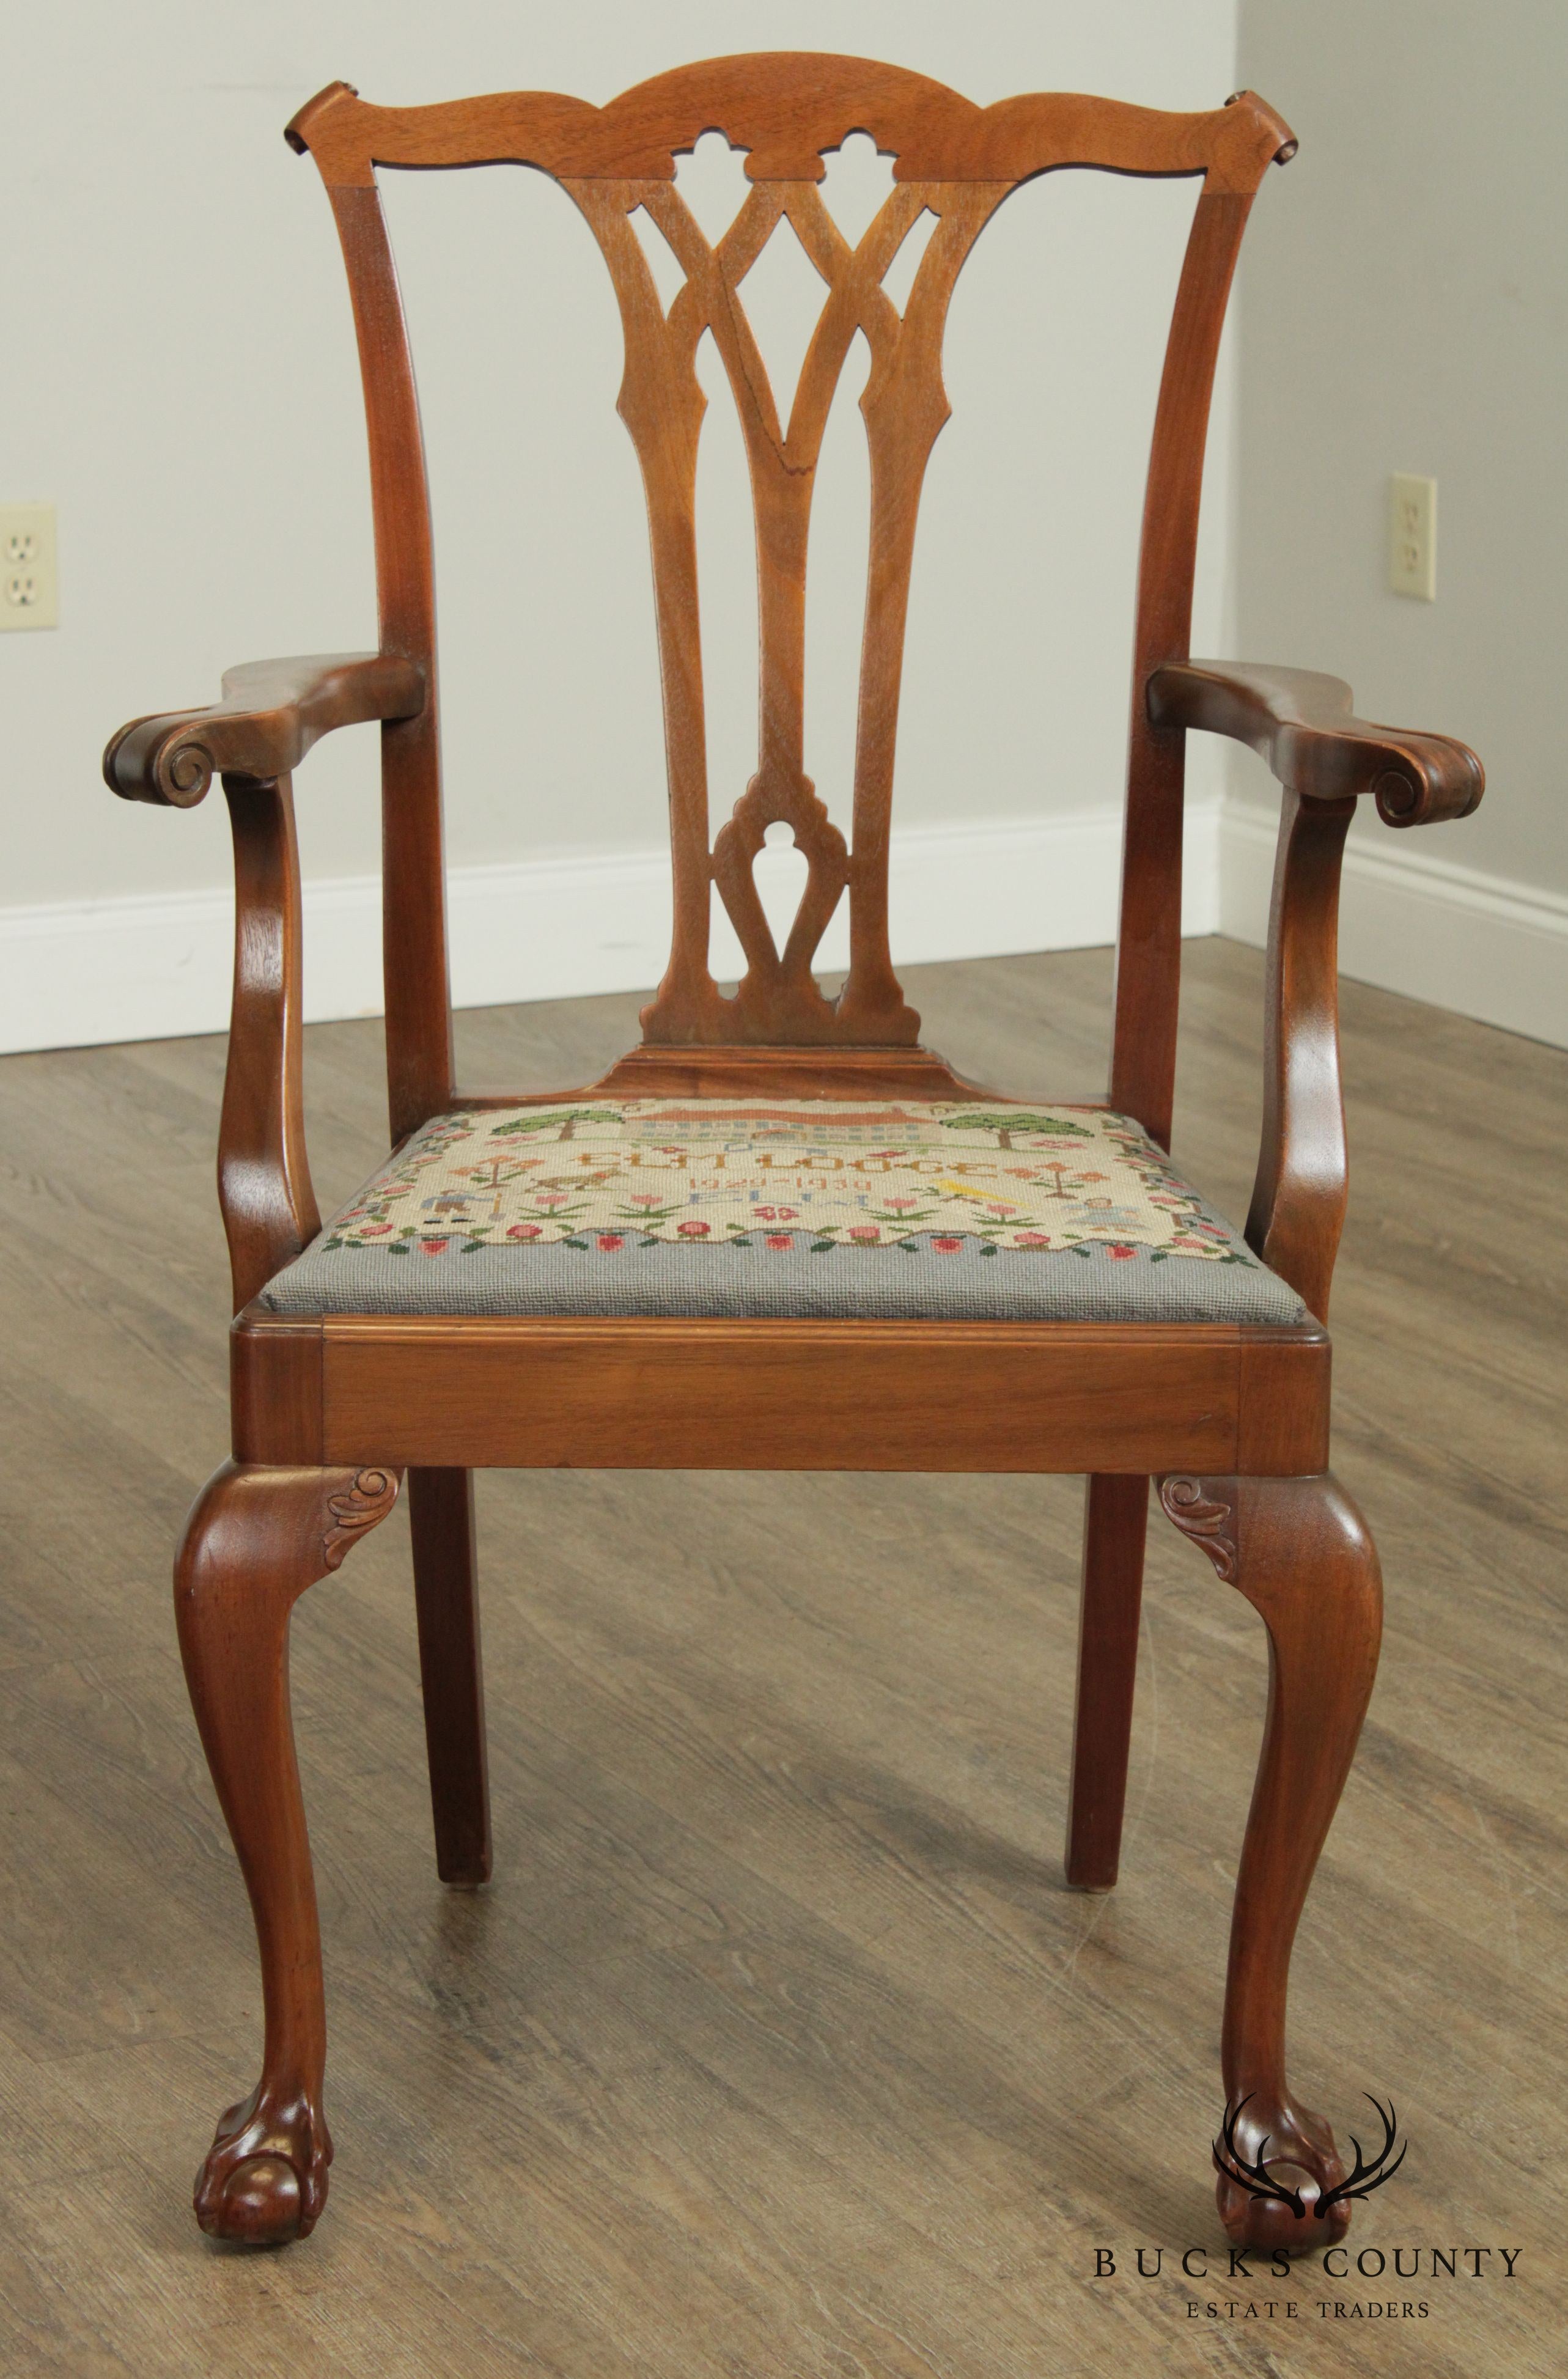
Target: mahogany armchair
{"points": [[781, 1234]]}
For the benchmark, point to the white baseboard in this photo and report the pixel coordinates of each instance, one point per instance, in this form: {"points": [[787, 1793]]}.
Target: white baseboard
{"points": [[1414, 923], [145, 967]]}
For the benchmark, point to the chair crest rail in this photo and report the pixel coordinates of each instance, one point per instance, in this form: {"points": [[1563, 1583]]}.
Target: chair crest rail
{"points": [[785, 108]]}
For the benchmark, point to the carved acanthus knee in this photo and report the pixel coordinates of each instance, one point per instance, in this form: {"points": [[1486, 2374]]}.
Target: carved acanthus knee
{"points": [[1202, 1510], [356, 1509]]}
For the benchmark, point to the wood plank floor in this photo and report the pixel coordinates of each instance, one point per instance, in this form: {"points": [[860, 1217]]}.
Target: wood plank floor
{"points": [[778, 2050]]}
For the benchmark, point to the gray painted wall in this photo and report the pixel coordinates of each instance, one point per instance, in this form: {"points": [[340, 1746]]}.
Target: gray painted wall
{"points": [[1404, 307]]}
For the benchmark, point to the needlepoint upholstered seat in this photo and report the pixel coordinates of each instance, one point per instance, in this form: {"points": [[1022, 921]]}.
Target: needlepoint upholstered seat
{"points": [[781, 1234], [968, 1209]]}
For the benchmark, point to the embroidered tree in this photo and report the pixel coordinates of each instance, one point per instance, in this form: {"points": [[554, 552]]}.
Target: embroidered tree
{"points": [[563, 1125], [1010, 1121]]}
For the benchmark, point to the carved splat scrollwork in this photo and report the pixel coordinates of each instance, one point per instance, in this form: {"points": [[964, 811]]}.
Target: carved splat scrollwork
{"points": [[779, 979], [1202, 1515]]}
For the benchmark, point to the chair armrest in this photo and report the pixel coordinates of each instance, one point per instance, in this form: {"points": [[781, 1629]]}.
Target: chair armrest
{"points": [[271, 715], [1303, 724]]}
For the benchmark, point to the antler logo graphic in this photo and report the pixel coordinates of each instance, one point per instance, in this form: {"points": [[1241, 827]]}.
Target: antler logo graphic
{"points": [[1259, 2181]]}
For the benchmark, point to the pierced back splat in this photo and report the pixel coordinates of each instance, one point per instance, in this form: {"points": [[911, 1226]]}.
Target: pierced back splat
{"points": [[904, 407], [954, 163]]}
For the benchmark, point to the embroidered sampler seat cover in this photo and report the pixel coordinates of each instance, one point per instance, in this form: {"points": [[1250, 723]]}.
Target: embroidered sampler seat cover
{"points": [[883, 1209]]}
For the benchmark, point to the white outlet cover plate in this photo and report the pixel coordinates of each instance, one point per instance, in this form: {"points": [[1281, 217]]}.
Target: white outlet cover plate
{"points": [[1412, 536], [29, 574]]}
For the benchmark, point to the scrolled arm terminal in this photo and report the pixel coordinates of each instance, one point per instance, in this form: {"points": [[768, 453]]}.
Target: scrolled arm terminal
{"points": [[1304, 725], [270, 713]]}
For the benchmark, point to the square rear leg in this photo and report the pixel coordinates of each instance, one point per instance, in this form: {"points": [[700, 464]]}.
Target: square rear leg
{"points": [[1115, 1522], [446, 1593]]}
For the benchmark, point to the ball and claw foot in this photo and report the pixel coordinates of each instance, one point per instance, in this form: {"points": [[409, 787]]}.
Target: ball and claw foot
{"points": [[264, 2181], [1286, 2144]]}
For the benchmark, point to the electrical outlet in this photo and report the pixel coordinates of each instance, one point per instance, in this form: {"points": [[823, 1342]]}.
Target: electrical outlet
{"points": [[1412, 536], [29, 583]]}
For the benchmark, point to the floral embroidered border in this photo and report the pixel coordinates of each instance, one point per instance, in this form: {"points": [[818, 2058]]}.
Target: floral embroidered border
{"points": [[605, 1175]]}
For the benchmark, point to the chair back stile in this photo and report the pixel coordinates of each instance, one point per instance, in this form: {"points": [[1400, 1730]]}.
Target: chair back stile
{"points": [[414, 971], [1149, 925], [958, 161]]}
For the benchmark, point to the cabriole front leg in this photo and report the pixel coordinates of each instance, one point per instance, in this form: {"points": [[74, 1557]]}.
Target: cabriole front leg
{"points": [[255, 1541], [1299, 1551]]}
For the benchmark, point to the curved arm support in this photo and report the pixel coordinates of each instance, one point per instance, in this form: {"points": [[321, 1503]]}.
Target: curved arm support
{"points": [[1304, 725], [1303, 1183], [268, 1206], [271, 715]]}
